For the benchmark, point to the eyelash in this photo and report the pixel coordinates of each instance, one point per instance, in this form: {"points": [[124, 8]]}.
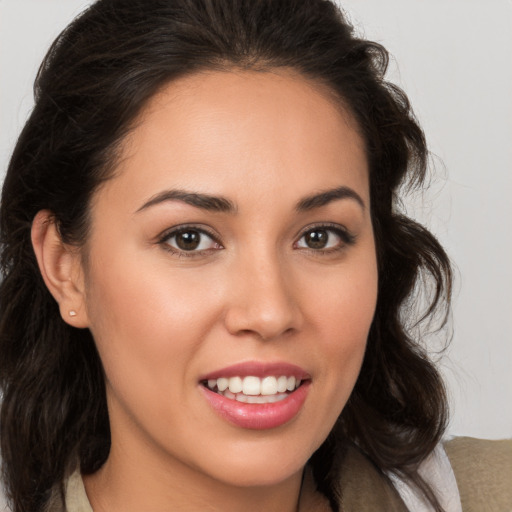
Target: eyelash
{"points": [[345, 236], [165, 237]]}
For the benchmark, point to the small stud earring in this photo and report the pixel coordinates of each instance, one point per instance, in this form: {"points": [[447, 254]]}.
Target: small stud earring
{"points": [[72, 312]]}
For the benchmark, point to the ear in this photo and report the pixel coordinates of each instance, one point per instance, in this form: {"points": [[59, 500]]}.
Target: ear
{"points": [[61, 268]]}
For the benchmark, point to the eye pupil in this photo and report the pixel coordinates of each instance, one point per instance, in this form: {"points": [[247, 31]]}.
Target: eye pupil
{"points": [[317, 239], [188, 240]]}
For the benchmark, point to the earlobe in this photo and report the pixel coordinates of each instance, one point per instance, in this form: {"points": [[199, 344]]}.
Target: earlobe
{"points": [[61, 268]]}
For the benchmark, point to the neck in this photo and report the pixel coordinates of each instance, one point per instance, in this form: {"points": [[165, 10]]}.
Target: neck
{"points": [[132, 484]]}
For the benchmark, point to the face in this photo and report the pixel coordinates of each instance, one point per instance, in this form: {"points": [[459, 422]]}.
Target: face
{"points": [[233, 247]]}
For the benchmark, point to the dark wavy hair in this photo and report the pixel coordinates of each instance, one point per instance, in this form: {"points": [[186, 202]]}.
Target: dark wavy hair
{"points": [[94, 81]]}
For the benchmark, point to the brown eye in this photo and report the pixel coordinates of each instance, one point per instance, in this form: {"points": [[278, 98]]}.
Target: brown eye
{"points": [[325, 238], [190, 240], [316, 239]]}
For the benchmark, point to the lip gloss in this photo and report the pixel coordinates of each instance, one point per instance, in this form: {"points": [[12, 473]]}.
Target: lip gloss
{"points": [[258, 416]]}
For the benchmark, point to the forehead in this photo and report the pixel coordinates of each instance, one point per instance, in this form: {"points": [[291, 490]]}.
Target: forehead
{"points": [[223, 130]]}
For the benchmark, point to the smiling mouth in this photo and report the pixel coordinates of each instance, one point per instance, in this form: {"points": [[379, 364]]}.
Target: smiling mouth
{"points": [[254, 390]]}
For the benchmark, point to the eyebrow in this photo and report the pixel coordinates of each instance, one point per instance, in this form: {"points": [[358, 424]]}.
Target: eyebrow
{"points": [[203, 201], [223, 205], [327, 196]]}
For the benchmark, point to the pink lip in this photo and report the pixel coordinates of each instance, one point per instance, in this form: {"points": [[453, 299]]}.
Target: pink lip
{"points": [[257, 369], [258, 416]]}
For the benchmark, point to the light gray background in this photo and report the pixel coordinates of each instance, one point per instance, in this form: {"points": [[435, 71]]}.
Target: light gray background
{"points": [[454, 61]]}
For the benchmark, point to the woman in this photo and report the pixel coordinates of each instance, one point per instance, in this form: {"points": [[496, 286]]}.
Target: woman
{"points": [[205, 275]]}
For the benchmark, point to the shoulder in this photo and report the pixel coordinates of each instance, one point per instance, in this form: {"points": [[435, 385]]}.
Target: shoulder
{"points": [[483, 470], [466, 474], [366, 489]]}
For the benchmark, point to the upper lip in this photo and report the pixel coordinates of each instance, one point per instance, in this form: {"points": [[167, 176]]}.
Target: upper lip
{"points": [[258, 369]]}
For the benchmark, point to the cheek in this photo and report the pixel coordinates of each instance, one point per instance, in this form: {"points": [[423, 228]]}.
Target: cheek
{"points": [[340, 320], [140, 296], [139, 324], [344, 308], [343, 315]]}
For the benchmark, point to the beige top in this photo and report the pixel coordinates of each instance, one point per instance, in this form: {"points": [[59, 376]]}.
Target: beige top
{"points": [[483, 471], [76, 497], [77, 501]]}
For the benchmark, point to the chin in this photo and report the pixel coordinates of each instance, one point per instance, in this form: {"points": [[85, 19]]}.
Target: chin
{"points": [[267, 476], [258, 466]]}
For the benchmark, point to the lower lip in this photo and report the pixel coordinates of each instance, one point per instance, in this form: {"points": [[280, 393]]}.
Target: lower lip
{"points": [[258, 416]]}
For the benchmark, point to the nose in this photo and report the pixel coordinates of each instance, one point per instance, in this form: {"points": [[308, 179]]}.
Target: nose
{"points": [[263, 302]]}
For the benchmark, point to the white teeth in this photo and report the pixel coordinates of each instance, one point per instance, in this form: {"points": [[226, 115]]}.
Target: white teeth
{"points": [[269, 386], [281, 384], [261, 399], [251, 386], [235, 385], [222, 384], [230, 395], [252, 389], [270, 399]]}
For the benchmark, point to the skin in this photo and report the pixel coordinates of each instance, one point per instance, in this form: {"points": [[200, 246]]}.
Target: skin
{"points": [[256, 291]]}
